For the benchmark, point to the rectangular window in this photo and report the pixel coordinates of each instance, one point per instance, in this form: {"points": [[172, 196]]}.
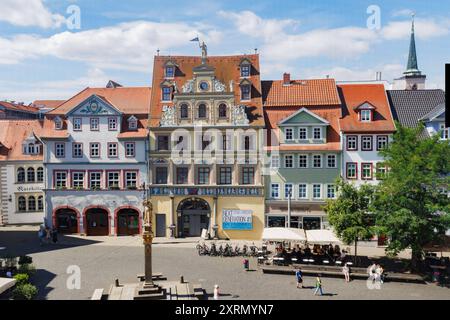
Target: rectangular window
{"points": [[444, 131], [352, 170], [366, 171], [225, 175], [317, 161], [352, 143], [166, 94], [182, 175], [248, 175], [113, 180], [317, 133], [381, 171], [275, 191], [162, 143], [77, 122], [289, 134], [203, 175], [60, 150], [366, 115], [226, 142], [60, 179], [303, 133], [366, 143], [170, 72], [161, 175], [95, 180], [382, 142], [245, 71], [78, 180], [302, 191], [317, 191], [112, 124], [131, 179], [94, 150], [113, 151], [289, 161], [77, 150], [275, 162], [331, 161], [130, 149], [246, 92], [331, 191], [303, 161], [95, 124], [288, 189]]}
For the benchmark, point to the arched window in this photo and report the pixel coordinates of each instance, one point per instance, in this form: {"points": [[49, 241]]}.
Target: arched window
{"points": [[31, 203], [247, 142], [22, 204], [30, 175], [21, 175], [222, 110], [40, 174], [184, 111], [202, 111], [40, 203]]}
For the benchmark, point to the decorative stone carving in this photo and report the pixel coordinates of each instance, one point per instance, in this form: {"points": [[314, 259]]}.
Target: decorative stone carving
{"points": [[239, 116], [219, 86], [231, 86], [188, 87], [168, 118]]}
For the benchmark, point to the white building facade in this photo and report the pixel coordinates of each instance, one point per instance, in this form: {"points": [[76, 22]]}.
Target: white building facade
{"points": [[95, 162]]}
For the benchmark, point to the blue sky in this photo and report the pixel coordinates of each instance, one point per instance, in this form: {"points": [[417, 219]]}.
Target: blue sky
{"points": [[42, 57]]}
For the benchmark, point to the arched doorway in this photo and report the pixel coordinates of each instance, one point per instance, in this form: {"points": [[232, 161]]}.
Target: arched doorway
{"points": [[66, 221], [97, 222], [127, 222], [193, 217]]}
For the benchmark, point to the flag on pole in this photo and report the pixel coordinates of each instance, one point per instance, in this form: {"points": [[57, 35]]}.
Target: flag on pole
{"points": [[196, 39]]}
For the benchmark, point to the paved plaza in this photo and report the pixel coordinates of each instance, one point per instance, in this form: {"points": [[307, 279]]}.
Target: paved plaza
{"points": [[103, 259]]}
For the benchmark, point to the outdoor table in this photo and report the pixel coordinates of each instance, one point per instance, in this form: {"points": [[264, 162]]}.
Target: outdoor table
{"points": [[326, 262], [294, 259], [311, 260], [306, 260], [338, 262], [350, 263], [278, 260]]}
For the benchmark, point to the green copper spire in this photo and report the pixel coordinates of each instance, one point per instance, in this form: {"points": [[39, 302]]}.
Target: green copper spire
{"points": [[412, 69]]}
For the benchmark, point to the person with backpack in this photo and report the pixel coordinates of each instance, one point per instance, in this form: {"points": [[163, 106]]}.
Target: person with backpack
{"points": [[299, 277], [318, 285]]}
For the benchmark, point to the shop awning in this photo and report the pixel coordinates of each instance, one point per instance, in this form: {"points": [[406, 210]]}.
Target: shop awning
{"points": [[284, 234], [321, 237]]}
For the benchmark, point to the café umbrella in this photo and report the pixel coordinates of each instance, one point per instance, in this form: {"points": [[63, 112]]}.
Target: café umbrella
{"points": [[284, 235]]}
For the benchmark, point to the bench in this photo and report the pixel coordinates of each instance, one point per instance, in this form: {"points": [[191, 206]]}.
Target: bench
{"points": [[98, 294]]}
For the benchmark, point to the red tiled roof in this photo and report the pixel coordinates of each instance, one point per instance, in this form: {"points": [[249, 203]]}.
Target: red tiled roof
{"points": [[12, 135], [47, 103], [128, 100], [19, 107], [353, 95], [226, 70], [320, 92]]}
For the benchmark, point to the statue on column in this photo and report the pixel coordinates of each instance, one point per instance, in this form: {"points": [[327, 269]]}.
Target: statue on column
{"points": [[204, 48], [148, 225]]}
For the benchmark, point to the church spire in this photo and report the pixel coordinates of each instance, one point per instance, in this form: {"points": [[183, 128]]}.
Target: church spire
{"points": [[412, 69]]}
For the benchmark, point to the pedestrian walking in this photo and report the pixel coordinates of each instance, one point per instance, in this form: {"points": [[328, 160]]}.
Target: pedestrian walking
{"points": [[54, 233], [216, 292], [346, 272], [318, 285], [41, 234], [299, 277]]}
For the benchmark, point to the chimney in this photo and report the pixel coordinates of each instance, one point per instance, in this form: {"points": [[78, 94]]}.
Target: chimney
{"points": [[286, 79]]}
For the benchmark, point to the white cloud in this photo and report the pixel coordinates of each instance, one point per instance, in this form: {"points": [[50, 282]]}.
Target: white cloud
{"points": [[29, 13], [126, 46], [424, 29]]}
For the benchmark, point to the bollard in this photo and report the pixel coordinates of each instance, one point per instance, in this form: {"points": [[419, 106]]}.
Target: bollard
{"points": [[181, 279], [117, 283]]}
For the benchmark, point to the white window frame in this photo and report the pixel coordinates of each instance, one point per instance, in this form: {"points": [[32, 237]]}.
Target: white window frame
{"points": [[286, 134], [285, 161], [291, 185], [320, 189], [307, 160], [328, 191], [77, 126], [95, 180], [275, 160], [328, 161], [273, 187], [300, 129], [371, 143], [113, 121], [364, 113], [305, 185], [313, 161], [60, 147], [108, 180], [314, 133], [78, 180], [445, 132]]}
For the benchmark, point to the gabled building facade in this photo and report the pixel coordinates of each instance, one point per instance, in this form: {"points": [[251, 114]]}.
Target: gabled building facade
{"points": [[21, 172], [366, 127], [302, 121], [95, 149], [205, 136]]}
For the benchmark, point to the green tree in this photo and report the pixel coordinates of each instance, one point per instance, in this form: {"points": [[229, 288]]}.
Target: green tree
{"points": [[349, 213], [411, 206]]}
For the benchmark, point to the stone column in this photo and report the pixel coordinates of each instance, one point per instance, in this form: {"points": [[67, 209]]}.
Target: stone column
{"points": [[172, 221], [213, 174], [191, 174], [170, 176], [236, 168]]}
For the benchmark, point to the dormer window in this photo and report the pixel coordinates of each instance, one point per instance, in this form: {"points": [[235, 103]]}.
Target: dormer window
{"points": [[246, 67], [170, 72], [366, 115], [58, 123], [166, 94], [246, 92], [132, 123]]}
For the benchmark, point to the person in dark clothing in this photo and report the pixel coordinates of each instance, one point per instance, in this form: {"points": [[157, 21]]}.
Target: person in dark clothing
{"points": [[54, 234]]}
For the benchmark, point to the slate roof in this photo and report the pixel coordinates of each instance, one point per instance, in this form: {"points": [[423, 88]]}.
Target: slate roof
{"points": [[409, 106], [440, 108]]}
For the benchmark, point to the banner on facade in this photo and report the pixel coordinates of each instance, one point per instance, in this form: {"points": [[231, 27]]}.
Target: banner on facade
{"points": [[237, 219]]}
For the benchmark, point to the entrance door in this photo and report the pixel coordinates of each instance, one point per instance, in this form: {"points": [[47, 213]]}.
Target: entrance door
{"points": [[193, 218], [97, 222], [66, 221], [160, 225], [127, 222]]}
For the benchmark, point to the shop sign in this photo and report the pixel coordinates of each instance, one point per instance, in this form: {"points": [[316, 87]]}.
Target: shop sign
{"points": [[222, 191], [29, 189], [237, 219]]}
